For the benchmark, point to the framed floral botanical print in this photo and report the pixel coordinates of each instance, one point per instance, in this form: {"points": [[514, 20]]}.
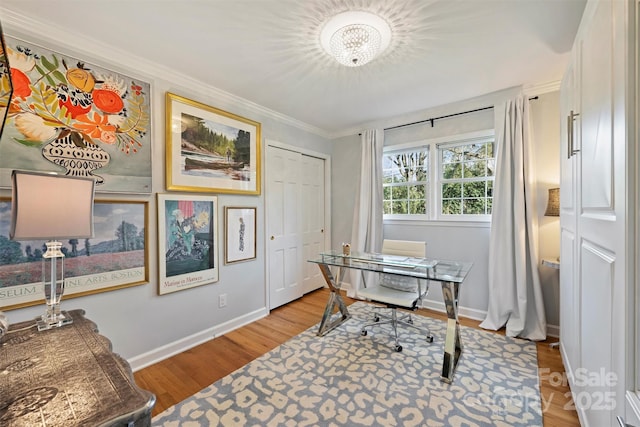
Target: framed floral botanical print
{"points": [[72, 117], [187, 241]]}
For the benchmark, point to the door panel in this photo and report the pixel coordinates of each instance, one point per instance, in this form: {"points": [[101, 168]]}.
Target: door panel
{"points": [[295, 200], [283, 226], [313, 222], [596, 123]]}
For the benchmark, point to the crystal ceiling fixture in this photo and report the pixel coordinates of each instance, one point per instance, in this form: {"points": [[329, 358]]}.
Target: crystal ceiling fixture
{"points": [[355, 38]]}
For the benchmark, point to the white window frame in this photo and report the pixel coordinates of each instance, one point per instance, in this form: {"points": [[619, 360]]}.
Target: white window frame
{"points": [[435, 168]]}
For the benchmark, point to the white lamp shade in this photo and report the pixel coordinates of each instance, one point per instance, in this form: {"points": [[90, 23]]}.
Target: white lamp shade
{"points": [[50, 207]]}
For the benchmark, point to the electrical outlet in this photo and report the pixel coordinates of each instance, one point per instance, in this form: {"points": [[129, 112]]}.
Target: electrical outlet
{"points": [[222, 300]]}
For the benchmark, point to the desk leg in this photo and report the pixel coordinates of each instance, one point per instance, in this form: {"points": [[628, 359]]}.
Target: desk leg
{"points": [[452, 343], [327, 324]]}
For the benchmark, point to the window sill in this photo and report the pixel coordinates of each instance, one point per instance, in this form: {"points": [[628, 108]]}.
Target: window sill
{"points": [[438, 223]]}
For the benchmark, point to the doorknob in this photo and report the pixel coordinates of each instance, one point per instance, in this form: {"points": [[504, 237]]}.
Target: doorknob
{"points": [[322, 230], [272, 237]]}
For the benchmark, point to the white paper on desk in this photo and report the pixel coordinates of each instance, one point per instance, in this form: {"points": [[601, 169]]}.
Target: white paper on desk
{"points": [[394, 258]]}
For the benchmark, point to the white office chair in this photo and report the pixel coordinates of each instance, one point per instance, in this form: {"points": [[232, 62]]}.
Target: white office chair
{"points": [[398, 291]]}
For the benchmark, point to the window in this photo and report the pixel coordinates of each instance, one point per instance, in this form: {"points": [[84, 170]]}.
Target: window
{"points": [[466, 180], [405, 177], [451, 178]]}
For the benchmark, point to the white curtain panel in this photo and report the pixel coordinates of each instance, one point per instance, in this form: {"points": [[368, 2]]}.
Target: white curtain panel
{"points": [[366, 235], [515, 294]]}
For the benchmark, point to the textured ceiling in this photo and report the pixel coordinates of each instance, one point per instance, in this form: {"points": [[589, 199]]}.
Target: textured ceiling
{"points": [[268, 51]]}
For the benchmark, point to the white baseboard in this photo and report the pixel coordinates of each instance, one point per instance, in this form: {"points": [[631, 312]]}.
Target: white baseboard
{"points": [[183, 344], [171, 349]]}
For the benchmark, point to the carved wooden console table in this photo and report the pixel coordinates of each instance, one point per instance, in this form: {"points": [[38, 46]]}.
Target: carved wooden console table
{"points": [[67, 376]]}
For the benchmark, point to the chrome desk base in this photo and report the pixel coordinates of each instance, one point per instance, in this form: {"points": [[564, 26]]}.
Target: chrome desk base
{"points": [[328, 322], [450, 290], [452, 343]]}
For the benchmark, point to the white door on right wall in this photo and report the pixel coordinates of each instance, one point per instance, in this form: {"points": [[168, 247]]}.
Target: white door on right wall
{"points": [[595, 243]]}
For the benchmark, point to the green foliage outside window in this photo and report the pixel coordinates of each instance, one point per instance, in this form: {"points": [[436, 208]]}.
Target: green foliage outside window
{"points": [[467, 179], [405, 179]]}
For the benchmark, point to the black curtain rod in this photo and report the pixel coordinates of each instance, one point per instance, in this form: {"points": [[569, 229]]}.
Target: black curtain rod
{"points": [[443, 117], [438, 118]]}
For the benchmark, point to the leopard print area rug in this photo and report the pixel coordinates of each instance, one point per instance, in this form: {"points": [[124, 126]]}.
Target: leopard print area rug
{"points": [[345, 379]]}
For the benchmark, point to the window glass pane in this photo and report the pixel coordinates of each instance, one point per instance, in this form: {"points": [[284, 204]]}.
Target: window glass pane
{"points": [[399, 192], [489, 188], [451, 207], [490, 150], [475, 169], [489, 206], [386, 206], [473, 206], [399, 207], [418, 192], [386, 193], [451, 155], [451, 190], [452, 171], [387, 176], [474, 189], [491, 167], [475, 151], [417, 207]]}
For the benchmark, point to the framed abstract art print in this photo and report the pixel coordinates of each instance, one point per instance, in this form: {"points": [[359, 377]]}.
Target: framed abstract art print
{"points": [[187, 241]]}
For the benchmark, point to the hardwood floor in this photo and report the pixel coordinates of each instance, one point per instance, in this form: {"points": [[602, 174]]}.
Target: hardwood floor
{"points": [[176, 378]]}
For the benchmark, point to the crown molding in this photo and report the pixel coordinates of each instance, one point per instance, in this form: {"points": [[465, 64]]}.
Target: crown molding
{"points": [[541, 88], [55, 37]]}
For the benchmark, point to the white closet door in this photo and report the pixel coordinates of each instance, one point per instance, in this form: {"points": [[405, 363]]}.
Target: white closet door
{"points": [[595, 240], [284, 238], [313, 220]]}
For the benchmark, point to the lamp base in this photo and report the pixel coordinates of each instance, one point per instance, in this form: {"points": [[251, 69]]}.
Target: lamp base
{"points": [[44, 323]]}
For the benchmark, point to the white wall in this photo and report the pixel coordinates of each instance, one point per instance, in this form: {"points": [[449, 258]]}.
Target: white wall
{"points": [[142, 325], [464, 241], [545, 117]]}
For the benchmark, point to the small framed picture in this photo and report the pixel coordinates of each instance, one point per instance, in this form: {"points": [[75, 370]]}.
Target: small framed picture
{"points": [[187, 241], [240, 234]]}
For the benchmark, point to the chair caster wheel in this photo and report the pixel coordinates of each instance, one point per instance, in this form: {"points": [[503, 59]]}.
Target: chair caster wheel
{"points": [[430, 338], [376, 319], [363, 332], [398, 348]]}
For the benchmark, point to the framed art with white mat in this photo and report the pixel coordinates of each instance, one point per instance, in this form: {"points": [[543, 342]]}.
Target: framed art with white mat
{"points": [[239, 234]]}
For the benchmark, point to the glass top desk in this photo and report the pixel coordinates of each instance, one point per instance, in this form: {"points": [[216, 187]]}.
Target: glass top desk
{"points": [[449, 273]]}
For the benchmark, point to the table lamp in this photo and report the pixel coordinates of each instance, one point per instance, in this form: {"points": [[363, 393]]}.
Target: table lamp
{"points": [[553, 203], [51, 207]]}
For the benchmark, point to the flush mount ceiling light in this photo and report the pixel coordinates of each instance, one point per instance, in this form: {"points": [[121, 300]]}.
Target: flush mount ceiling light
{"points": [[355, 38]]}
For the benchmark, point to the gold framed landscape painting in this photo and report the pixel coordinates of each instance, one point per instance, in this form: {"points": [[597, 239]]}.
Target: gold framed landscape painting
{"points": [[187, 241], [210, 150], [115, 257]]}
